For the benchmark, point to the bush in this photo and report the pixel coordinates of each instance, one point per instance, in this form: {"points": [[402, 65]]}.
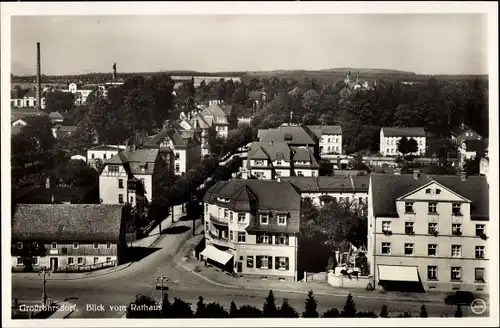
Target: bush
{"points": [[286, 311], [332, 313], [384, 313]]}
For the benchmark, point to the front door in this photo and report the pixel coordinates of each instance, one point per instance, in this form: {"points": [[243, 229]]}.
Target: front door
{"points": [[240, 267], [53, 263]]}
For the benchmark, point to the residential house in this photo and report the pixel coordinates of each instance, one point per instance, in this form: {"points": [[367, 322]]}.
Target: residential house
{"points": [[252, 227], [60, 131], [19, 122], [81, 95], [184, 145], [389, 140], [324, 189], [464, 133], [71, 235], [102, 153], [271, 160], [293, 135], [357, 84], [28, 100], [215, 115], [56, 117], [132, 176], [258, 98], [330, 138], [470, 149], [428, 232]]}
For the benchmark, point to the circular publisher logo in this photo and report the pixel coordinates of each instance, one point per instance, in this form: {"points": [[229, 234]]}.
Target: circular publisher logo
{"points": [[478, 306]]}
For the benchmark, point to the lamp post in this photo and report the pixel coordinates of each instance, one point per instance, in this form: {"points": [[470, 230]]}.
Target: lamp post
{"points": [[44, 294], [161, 287]]}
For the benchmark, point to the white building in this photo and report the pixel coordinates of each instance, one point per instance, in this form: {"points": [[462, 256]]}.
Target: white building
{"points": [[389, 139], [215, 115], [330, 138], [81, 95], [103, 153], [28, 100]]}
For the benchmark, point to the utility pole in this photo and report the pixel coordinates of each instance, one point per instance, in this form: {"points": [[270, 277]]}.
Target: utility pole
{"points": [[161, 287], [44, 294]]}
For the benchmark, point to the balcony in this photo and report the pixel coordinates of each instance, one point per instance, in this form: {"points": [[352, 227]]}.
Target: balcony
{"points": [[224, 242], [218, 220]]}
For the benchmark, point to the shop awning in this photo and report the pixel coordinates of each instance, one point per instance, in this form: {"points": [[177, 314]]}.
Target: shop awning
{"points": [[398, 273], [216, 255]]}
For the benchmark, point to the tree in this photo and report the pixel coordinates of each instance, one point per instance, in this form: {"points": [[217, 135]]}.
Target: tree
{"points": [[180, 309], [384, 313], [286, 311], [403, 146], [423, 312], [248, 311], [471, 166], [233, 310], [165, 306], [412, 146], [458, 312], [143, 307], [215, 310], [58, 101], [349, 310], [332, 313], [200, 308], [76, 173], [311, 306], [269, 309]]}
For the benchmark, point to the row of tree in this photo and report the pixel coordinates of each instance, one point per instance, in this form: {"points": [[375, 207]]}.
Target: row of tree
{"points": [[147, 307]]}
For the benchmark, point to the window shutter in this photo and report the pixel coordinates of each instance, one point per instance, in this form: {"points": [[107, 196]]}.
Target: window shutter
{"points": [[84, 260], [270, 260], [276, 263], [287, 263], [258, 261]]}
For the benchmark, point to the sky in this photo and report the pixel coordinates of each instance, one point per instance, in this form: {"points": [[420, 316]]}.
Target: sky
{"points": [[424, 44]]}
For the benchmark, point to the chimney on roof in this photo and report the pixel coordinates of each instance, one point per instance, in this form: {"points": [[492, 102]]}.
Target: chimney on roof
{"points": [[416, 174], [397, 171], [463, 175]]}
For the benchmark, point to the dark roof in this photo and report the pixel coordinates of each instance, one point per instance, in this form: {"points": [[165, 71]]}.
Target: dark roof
{"points": [[75, 222], [171, 134], [347, 184], [227, 109], [474, 145], [403, 132], [136, 160], [243, 200], [56, 115], [269, 150], [320, 130], [214, 110], [14, 130], [304, 154], [42, 195], [388, 187], [296, 135]]}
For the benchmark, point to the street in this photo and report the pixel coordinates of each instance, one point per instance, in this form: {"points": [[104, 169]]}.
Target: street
{"points": [[114, 291]]}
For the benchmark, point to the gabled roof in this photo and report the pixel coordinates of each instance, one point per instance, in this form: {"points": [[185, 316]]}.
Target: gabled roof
{"points": [[171, 134], [268, 150], [68, 223], [204, 122], [345, 184], [243, 200], [294, 134], [142, 156], [388, 187], [213, 110], [325, 130], [30, 94], [227, 109], [403, 132], [108, 147]]}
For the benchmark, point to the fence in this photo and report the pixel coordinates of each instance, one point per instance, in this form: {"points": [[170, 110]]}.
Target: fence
{"points": [[311, 276], [344, 281], [86, 268]]}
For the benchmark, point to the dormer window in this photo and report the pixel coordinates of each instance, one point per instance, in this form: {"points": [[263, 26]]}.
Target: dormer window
{"points": [[281, 219], [264, 219]]}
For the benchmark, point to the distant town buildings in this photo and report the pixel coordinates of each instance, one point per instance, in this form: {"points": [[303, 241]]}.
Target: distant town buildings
{"points": [[429, 232], [464, 133], [252, 226], [330, 138], [102, 153], [389, 140]]}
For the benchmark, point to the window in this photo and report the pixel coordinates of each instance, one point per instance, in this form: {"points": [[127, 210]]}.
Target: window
{"points": [[456, 209], [386, 226], [360, 200], [428, 191], [281, 219], [409, 207], [432, 272], [433, 208], [479, 252], [409, 228], [19, 245], [456, 250], [264, 262], [300, 174], [258, 162], [313, 173], [479, 274], [75, 245], [241, 218], [131, 199], [108, 245], [241, 237], [264, 219], [96, 260], [35, 244], [386, 248], [281, 239], [108, 259], [438, 191], [92, 156], [113, 168], [206, 208], [231, 217], [54, 245], [278, 173], [80, 260], [120, 183], [432, 228], [142, 181], [249, 261], [177, 167], [105, 156], [176, 155], [281, 263], [480, 228], [226, 213], [120, 198], [71, 261], [96, 245], [408, 249], [264, 239], [19, 261], [278, 163], [432, 250], [35, 260], [231, 236], [456, 229], [456, 273]]}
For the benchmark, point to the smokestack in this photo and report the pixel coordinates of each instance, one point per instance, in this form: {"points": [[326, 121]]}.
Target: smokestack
{"points": [[38, 78]]}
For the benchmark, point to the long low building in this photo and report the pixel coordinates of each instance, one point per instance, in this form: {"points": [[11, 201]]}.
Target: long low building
{"points": [[252, 227]]}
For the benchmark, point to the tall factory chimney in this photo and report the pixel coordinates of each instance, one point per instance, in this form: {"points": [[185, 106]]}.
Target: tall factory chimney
{"points": [[38, 78]]}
